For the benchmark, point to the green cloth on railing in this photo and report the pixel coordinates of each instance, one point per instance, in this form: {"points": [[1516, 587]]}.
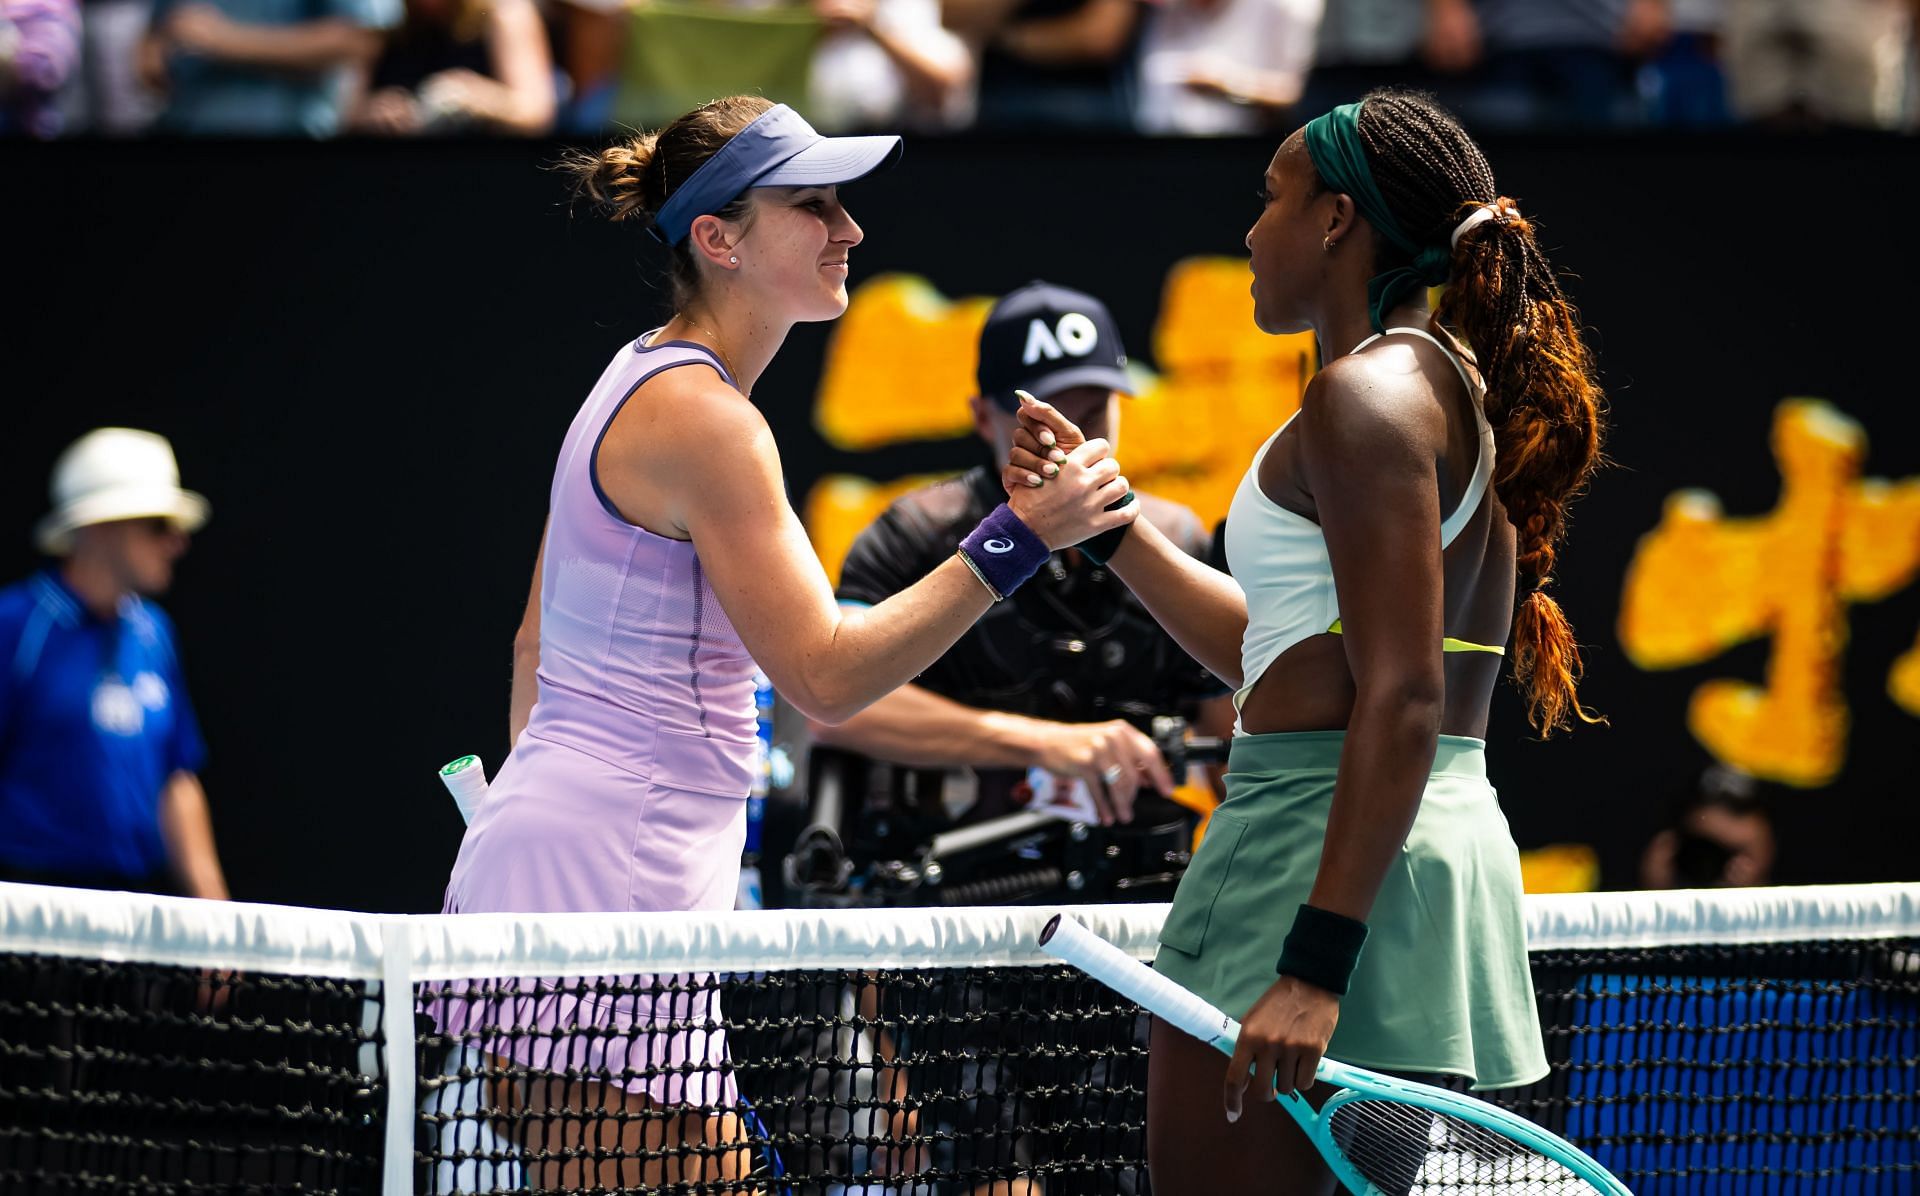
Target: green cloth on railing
{"points": [[681, 55]]}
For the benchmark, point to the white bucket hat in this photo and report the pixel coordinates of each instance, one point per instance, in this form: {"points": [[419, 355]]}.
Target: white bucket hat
{"points": [[116, 473]]}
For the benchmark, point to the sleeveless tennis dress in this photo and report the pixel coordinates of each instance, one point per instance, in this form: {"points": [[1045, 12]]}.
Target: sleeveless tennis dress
{"points": [[627, 789], [1442, 985]]}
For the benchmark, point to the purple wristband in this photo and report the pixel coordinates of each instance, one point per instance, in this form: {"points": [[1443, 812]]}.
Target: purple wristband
{"points": [[1003, 551]]}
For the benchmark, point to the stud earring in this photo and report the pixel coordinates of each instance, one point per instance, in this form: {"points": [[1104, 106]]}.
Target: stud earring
{"points": [[734, 260], [1326, 243]]}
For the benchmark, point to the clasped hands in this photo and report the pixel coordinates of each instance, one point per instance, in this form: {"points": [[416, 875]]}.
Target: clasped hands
{"points": [[1059, 482]]}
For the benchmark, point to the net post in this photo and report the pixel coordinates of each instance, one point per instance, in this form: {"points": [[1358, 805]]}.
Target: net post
{"points": [[396, 1034]]}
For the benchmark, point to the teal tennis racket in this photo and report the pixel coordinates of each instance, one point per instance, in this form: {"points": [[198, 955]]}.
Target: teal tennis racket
{"points": [[1381, 1136]]}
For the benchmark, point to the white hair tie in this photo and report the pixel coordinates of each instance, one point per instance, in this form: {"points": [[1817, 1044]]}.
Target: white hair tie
{"points": [[1480, 215]]}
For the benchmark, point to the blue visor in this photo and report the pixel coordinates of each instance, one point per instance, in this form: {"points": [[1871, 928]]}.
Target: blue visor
{"points": [[779, 149]]}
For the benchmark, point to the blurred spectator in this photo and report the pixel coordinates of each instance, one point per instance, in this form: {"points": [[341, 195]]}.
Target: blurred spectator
{"points": [[99, 748], [1051, 63], [1427, 45], [457, 66], [39, 44], [261, 68], [1565, 63], [1721, 836], [885, 63], [1820, 62], [588, 42], [1216, 67], [1685, 84], [106, 96]]}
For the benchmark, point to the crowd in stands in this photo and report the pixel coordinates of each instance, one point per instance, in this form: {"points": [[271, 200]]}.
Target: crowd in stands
{"points": [[324, 68]]}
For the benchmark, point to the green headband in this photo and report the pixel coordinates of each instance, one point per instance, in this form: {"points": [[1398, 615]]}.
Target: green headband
{"points": [[1333, 142]]}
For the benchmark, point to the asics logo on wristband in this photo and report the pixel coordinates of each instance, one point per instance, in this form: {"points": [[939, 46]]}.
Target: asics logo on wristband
{"points": [[998, 546]]}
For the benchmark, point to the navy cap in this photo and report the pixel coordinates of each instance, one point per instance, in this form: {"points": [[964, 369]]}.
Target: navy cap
{"points": [[778, 148], [1044, 339]]}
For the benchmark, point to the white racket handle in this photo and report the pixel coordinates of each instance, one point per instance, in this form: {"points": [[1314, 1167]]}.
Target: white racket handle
{"points": [[1066, 939], [466, 779]]}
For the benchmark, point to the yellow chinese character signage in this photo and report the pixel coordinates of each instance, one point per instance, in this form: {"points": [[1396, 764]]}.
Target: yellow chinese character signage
{"points": [[1704, 581]]}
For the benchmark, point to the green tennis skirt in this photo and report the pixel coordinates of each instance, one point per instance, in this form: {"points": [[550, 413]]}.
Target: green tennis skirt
{"points": [[1442, 985]]}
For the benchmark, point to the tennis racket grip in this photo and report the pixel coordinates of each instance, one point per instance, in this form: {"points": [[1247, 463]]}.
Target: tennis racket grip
{"points": [[1067, 940], [466, 780]]}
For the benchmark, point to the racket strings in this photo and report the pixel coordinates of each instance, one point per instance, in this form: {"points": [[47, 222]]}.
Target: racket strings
{"points": [[1404, 1150]]}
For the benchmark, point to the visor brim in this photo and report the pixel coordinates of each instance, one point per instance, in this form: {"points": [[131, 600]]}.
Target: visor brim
{"points": [[833, 160]]}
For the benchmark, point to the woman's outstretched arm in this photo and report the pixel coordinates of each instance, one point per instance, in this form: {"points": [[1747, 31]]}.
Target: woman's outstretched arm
{"points": [[721, 469]]}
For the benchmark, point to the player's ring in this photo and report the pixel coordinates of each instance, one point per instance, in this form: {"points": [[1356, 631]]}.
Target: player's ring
{"points": [[1112, 773]]}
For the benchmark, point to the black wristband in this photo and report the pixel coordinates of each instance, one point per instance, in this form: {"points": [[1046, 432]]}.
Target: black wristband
{"points": [[1322, 948], [1102, 547]]}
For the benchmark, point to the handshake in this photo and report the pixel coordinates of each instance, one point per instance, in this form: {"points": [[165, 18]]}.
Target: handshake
{"points": [[1066, 488]]}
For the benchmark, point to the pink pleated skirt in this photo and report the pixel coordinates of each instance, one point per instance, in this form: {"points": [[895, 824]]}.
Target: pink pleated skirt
{"points": [[562, 831]]}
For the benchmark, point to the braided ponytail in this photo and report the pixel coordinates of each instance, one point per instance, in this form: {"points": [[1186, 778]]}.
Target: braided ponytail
{"points": [[1543, 399], [1546, 409]]}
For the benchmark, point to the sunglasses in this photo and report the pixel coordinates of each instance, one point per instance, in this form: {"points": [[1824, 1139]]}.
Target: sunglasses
{"points": [[157, 525]]}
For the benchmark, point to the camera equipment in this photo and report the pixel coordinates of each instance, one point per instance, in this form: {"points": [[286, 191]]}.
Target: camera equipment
{"points": [[877, 834]]}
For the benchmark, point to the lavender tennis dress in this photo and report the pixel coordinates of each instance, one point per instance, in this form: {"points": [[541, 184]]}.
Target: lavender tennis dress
{"points": [[627, 790]]}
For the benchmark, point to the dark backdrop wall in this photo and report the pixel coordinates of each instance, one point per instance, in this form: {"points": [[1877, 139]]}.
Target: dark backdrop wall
{"points": [[366, 356]]}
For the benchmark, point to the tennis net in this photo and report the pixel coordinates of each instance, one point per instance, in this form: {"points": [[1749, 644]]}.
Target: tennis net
{"points": [[1747, 1041]]}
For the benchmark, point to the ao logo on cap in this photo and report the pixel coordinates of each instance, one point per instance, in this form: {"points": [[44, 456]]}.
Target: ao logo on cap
{"points": [[1074, 334]]}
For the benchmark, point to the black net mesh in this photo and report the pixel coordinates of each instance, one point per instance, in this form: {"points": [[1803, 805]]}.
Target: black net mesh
{"points": [[138, 1077], [928, 1082], [1784, 1068]]}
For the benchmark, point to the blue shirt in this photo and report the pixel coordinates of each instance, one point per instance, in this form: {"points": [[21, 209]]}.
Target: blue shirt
{"points": [[205, 97], [94, 720]]}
